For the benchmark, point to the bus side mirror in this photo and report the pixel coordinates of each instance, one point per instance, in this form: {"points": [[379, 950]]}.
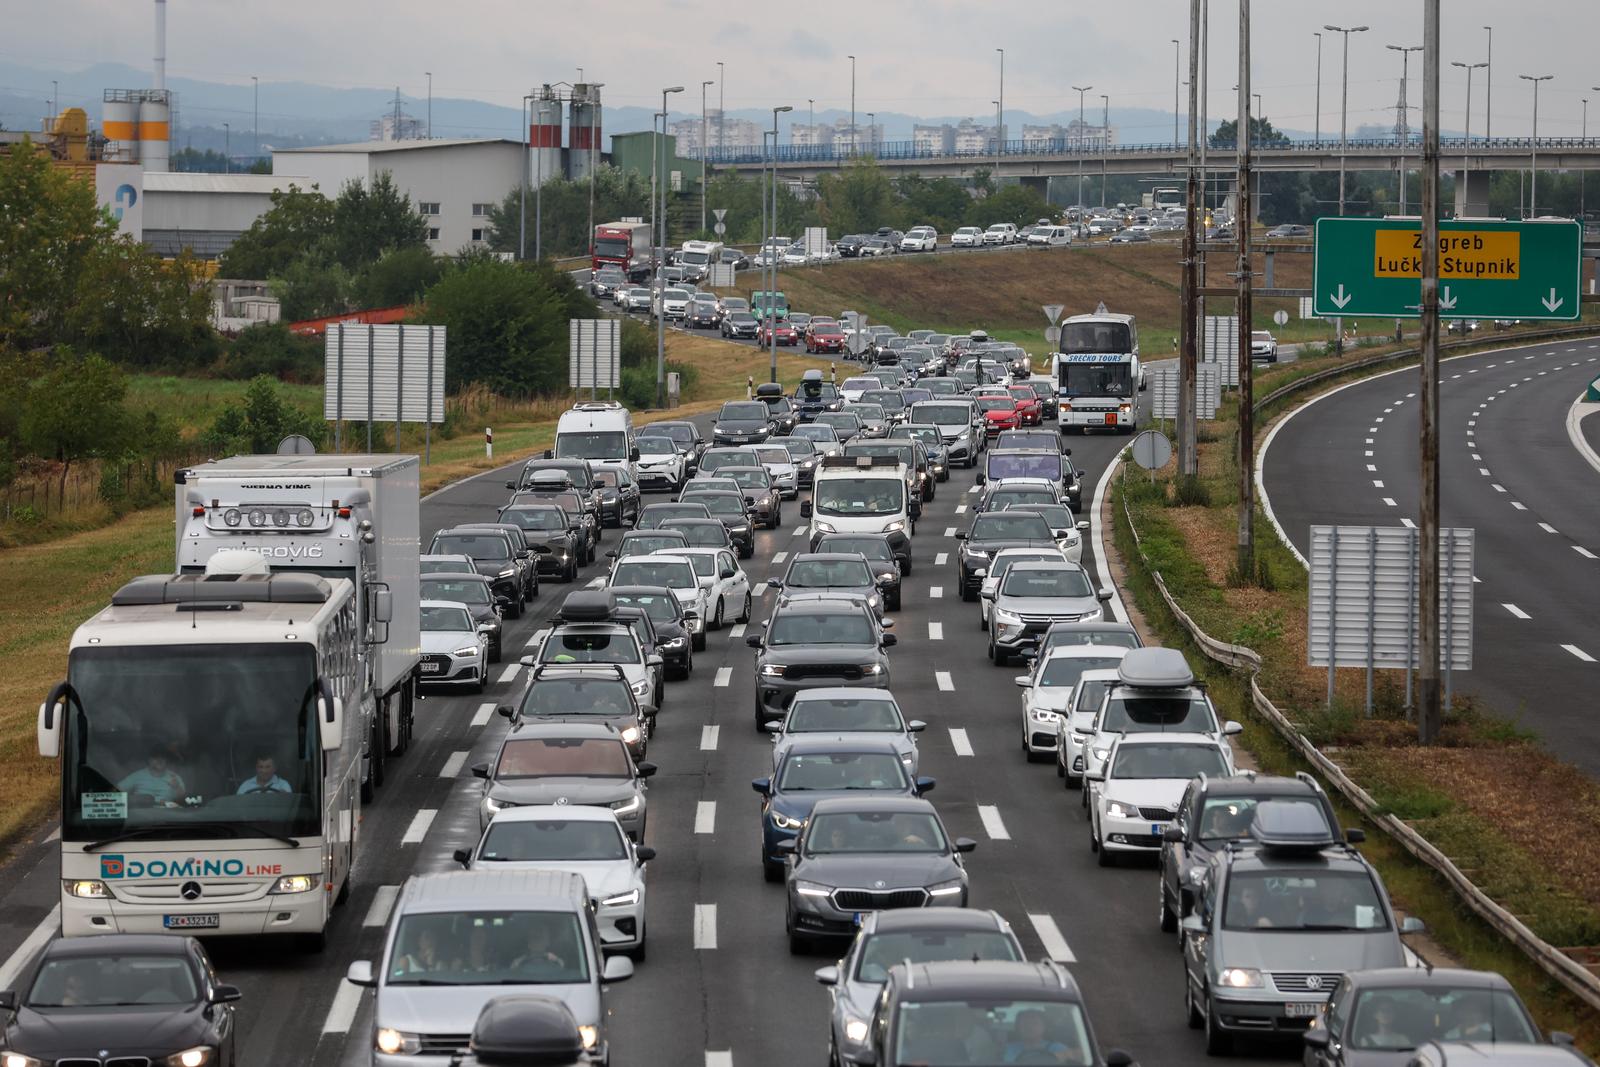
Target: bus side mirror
{"points": [[330, 718], [51, 714]]}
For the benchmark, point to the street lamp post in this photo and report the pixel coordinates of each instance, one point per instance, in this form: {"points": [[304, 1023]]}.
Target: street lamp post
{"points": [[703, 154], [1488, 87], [772, 311], [522, 185], [1317, 136], [1583, 175], [255, 129], [1533, 163], [811, 121], [1403, 122], [872, 134], [227, 149], [853, 138], [722, 113], [594, 114], [1344, 102], [1466, 145], [661, 255], [429, 73], [1000, 117], [1080, 90], [1105, 139], [1177, 75]]}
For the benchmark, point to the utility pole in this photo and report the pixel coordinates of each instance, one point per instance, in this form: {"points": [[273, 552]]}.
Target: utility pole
{"points": [[722, 113], [854, 138], [522, 195], [1402, 125], [1533, 164], [872, 135], [1488, 87], [255, 129], [772, 311], [1000, 118], [1177, 75], [703, 155], [227, 149], [1344, 104], [1317, 136], [1430, 715], [661, 251], [1080, 89], [1199, 312], [1189, 318], [1466, 142], [1247, 502], [1583, 175], [429, 73]]}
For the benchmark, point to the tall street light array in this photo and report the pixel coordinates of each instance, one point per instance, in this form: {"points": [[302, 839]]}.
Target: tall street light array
{"points": [[1466, 144], [1080, 90], [1317, 136], [1177, 76], [704, 153], [1488, 86], [1105, 138], [854, 138], [1000, 116], [1533, 164], [658, 180], [1344, 102], [772, 311]]}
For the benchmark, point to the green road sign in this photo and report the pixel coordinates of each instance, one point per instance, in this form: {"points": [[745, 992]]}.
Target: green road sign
{"points": [[1487, 270]]}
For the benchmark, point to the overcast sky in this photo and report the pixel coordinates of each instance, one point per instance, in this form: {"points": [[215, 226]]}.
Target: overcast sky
{"points": [[927, 57]]}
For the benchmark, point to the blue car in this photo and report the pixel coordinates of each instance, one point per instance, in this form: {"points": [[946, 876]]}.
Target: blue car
{"points": [[814, 770]]}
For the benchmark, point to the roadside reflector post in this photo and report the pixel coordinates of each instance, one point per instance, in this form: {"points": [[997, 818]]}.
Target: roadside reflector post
{"points": [[488, 442]]}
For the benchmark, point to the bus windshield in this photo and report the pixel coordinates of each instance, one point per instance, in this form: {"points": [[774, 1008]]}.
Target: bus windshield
{"points": [[1097, 379], [199, 737]]}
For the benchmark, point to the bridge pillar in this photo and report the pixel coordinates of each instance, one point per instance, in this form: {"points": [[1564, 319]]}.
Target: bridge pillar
{"points": [[1472, 194], [1039, 183]]}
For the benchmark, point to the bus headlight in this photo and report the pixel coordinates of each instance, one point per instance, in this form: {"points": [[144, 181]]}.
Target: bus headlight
{"points": [[86, 889], [295, 883]]}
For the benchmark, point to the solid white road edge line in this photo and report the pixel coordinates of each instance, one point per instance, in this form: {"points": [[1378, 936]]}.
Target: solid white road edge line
{"points": [[1102, 569], [32, 943], [1055, 945], [1575, 416]]}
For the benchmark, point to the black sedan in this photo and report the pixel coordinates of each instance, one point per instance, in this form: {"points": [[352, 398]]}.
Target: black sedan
{"points": [[875, 548], [739, 324], [551, 526], [741, 422], [620, 496], [673, 631], [120, 998]]}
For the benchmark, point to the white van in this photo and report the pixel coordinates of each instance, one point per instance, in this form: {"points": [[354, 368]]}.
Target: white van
{"points": [[600, 431], [862, 494], [697, 257], [1047, 236]]}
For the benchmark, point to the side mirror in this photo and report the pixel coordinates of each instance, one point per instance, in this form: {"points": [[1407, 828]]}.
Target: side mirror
{"points": [[1102, 595], [224, 994], [8, 1000], [916, 726], [1119, 1058], [360, 973], [617, 969], [788, 846], [330, 717], [506, 711], [887, 624], [462, 856], [961, 535], [1355, 835], [1066, 451], [646, 769], [1083, 525], [987, 594], [644, 853], [1023, 681], [526, 661], [1230, 728], [1172, 835], [612, 554], [965, 844], [1095, 776], [926, 785], [549, 453], [1561, 1037], [513, 486], [762, 785], [728, 572], [805, 509], [52, 713], [633, 455], [382, 605], [1412, 925], [480, 770], [827, 975], [753, 640], [981, 478], [775, 583], [653, 660], [1318, 1038], [773, 726], [542, 550], [1193, 924], [888, 640]]}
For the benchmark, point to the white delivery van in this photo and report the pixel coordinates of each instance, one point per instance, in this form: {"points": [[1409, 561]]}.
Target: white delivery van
{"points": [[862, 494], [599, 431]]}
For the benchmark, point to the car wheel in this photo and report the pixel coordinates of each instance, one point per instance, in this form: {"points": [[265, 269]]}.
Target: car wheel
{"points": [[1218, 1042], [514, 609], [1191, 1013], [744, 616], [833, 1052], [1169, 918], [636, 953], [1103, 856], [1072, 781], [494, 651], [483, 680], [894, 604], [698, 644], [983, 621], [799, 944], [905, 567], [746, 551], [771, 872], [716, 623], [998, 656]]}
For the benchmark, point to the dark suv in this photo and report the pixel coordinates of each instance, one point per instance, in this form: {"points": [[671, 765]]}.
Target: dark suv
{"points": [[495, 556], [813, 643]]}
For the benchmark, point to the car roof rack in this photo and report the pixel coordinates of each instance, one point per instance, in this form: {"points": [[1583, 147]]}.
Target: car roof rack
{"points": [[614, 668], [863, 462]]}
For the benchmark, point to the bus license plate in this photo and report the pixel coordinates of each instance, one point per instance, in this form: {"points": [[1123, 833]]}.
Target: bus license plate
{"points": [[1301, 1011], [1111, 418], [209, 921]]}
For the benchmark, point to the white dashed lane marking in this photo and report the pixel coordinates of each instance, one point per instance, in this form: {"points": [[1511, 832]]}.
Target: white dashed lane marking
{"points": [[705, 926], [935, 592], [960, 742], [936, 631], [419, 826], [511, 671], [1580, 653], [1519, 505], [343, 1010], [705, 817], [779, 557], [736, 631], [724, 676], [383, 899], [941, 559], [1580, 550], [946, 683], [452, 766], [1055, 945], [719, 1059], [1518, 612], [1389, 500], [1408, 524], [990, 815], [708, 738], [484, 714], [961, 509], [949, 531]]}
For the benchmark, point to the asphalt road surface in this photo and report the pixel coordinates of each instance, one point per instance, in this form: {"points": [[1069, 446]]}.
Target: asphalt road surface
{"points": [[1509, 471], [719, 986]]}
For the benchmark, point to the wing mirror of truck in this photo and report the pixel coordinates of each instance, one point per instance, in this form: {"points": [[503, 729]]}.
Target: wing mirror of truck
{"points": [[382, 604]]}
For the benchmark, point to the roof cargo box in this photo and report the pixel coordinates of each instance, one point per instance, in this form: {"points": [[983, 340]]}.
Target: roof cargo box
{"points": [[588, 605], [1293, 827], [1155, 668]]}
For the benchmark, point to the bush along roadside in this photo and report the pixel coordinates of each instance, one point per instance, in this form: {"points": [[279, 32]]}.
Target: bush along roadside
{"points": [[1480, 796]]}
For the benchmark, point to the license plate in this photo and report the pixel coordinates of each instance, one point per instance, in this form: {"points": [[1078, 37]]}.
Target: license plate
{"points": [[192, 922], [1157, 829], [430, 668], [1111, 419], [1301, 1011], [858, 917]]}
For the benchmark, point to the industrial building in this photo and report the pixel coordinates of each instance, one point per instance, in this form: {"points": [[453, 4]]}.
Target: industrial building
{"points": [[206, 213], [636, 151]]}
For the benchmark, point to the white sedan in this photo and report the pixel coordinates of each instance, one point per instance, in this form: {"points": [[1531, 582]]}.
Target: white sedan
{"points": [[583, 840], [1135, 799], [725, 585], [1047, 692], [454, 650]]}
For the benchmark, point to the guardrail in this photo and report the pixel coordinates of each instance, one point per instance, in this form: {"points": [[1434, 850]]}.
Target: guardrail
{"points": [[1557, 964]]}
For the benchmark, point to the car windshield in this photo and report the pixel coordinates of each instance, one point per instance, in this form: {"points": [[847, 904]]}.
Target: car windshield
{"points": [[1086, 703], [874, 831], [744, 411], [888, 400], [657, 446], [777, 454], [942, 414], [868, 412], [661, 608], [720, 504], [546, 840], [713, 461], [822, 434], [1005, 498], [995, 403], [873, 548], [113, 980], [472, 948], [535, 518], [447, 618], [749, 477], [1185, 713], [1399, 1018], [601, 695], [1163, 760], [861, 496], [1059, 516], [704, 565], [661, 514], [825, 573], [840, 420], [673, 575], [1312, 899], [447, 566], [946, 1033], [882, 951], [860, 384], [597, 445], [1229, 818], [814, 771], [1003, 465], [459, 591], [1000, 526], [565, 646], [636, 544], [478, 546], [1037, 582], [1064, 671], [798, 448], [705, 534], [809, 628], [1097, 379], [843, 715], [1110, 638], [540, 757]]}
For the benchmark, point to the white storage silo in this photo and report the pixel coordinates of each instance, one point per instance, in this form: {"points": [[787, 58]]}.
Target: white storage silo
{"points": [[119, 122], [155, 131], [584, 136], [544, 135]]}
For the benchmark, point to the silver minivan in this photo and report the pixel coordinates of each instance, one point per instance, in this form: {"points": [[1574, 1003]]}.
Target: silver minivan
{"points": [[459, 939]]}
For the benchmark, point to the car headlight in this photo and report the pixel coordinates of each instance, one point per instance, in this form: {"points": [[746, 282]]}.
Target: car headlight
{"points": [[786, 822], [894, 527], [1240, 978], [869, 670], [811, 889], [509, 572], [590, 1035], [198, 1056], [1006, 618], [395, 1042], [981, 572], [818, 526], [641, 688], [627, 807], [469, 650], [676, 642], [772, 670], [872, 601], [492, 804], [1045, 715], [84, 889], [856, 1030], [946, 889], [1100, 753], [1119, 809], [17, 1059], [621, 900], [977, 553], [630, 735], [295, 883]]}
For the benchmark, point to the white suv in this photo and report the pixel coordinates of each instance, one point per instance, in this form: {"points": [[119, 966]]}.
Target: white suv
{"points": [[966, 237], [1001, 233], [920, 239]]}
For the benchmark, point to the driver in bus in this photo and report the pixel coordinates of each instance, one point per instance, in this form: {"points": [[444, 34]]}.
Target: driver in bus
{"points": [[155, 780], [266, 778]]}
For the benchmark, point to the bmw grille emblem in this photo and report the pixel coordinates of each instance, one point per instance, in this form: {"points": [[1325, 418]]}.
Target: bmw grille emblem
{"points": [[190, 891], [561, 800], [1313, 981], [879, 884]]}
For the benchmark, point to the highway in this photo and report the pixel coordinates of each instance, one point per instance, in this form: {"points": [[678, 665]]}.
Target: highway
{"points": [[1509, 471], [719, 986]]}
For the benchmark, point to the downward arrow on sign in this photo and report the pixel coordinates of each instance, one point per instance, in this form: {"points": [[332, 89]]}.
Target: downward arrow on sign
{"points": [[1447, 302], [1552, 301], [1340, 299]]}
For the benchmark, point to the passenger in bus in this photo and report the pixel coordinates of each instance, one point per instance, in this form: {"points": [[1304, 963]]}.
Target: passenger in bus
{"points": [[156, 780]]}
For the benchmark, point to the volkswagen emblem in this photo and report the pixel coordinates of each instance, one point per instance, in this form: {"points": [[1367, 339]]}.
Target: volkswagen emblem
{"points": [[190, 891], [561, 800], [879, 884], [1313, 981]]}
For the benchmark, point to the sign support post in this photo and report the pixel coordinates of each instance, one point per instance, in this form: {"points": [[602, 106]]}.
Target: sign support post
{"points": [[1430, 716]]}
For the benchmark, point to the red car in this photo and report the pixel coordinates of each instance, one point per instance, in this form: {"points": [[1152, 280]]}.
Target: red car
{"points": [[826, 339], [1028, 404], [1000, 413], [784, 332]]}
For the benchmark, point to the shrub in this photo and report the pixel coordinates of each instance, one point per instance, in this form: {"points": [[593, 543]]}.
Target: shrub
{"points": [[272, 349]]}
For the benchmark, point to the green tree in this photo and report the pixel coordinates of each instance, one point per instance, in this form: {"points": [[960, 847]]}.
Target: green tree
{"points": [[563, 217], [49, 226], [369, 220], [140, 311], [287, 230], [260, 421], [75, 411], [271, 348], [941, 203], [857, 200], [400, 276], [1017, 204], [1261, 133], [312, 286]]}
